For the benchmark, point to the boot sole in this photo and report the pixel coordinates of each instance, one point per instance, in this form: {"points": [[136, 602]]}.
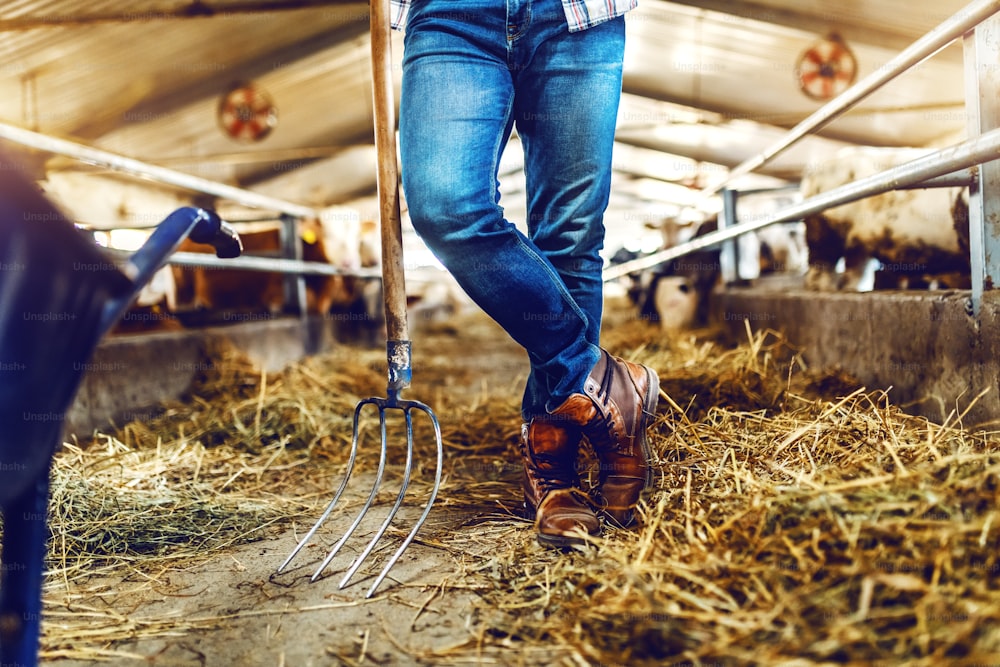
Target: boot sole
{"points": [[560, 541]]}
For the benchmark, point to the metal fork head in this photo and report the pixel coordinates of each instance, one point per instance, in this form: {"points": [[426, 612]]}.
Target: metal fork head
{"points": [[398, 378]]}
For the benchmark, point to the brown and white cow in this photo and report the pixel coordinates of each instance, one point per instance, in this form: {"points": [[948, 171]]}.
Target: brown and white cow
{"points": [[677, 293], [232, 290], [916, 235]]}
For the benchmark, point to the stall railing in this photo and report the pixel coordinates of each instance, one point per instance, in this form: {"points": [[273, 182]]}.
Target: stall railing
{"points": [[290, 262], [978, 24]]}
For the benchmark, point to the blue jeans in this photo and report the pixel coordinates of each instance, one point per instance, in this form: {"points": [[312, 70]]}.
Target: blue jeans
{"points": [[472, 71]]}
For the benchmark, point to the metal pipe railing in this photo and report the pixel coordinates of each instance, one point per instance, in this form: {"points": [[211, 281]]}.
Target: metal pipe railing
{"points": [[983, 148], [257, 263], [279, 265], [957, 179], [949, 30], [135, 167]]}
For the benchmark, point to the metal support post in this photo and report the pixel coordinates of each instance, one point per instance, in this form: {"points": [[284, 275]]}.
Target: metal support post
{"points": [[729, 256], [982, 80], [294, 283]]}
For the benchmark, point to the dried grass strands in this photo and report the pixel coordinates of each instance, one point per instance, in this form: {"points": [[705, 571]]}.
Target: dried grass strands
{"points": [[799, 518], [839, 530], [123, 509]]}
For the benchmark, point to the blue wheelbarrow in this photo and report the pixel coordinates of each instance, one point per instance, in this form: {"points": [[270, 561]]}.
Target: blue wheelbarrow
{"points": [[59, 294]]}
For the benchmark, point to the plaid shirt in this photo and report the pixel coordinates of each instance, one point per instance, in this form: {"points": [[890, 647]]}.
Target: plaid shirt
{"points": [[580, 14]]}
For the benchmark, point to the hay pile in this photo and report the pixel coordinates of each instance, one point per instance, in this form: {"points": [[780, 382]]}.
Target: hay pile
{"points": [[787, 529], [799, 519]]}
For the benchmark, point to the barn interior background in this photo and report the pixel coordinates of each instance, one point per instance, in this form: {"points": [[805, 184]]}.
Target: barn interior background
{"points": [[707, 85], [262, 110], [274, 98]]}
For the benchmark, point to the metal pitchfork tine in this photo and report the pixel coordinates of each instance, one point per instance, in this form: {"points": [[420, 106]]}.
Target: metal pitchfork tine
{"points": [[394, 301]]}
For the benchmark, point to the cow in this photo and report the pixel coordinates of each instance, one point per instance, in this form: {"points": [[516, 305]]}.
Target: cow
{"points": [[676, 293], [918, 236], [782, 249], [631, 285], [229, 291], [779, 248], [674, 303]]}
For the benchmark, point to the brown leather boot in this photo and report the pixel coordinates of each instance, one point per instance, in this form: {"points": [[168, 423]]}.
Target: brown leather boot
{"points": [[618, 401], [551, 494]]}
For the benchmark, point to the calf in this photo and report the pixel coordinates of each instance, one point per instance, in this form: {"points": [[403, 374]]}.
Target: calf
{"points": [[673, 302], [782, 249], [916, 235], [676, 293]]}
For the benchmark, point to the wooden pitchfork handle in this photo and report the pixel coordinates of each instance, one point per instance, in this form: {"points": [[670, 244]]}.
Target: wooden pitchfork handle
{"points": [[393, 281]]}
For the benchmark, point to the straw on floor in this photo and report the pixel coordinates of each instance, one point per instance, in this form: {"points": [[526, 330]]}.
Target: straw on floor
{"points": [[798, 518]]}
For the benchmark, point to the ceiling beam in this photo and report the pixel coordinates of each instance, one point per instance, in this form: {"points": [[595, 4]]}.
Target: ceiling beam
{"points": [[716, 157], [196, 9], [642, 88], [833, 19], [191, 89]]}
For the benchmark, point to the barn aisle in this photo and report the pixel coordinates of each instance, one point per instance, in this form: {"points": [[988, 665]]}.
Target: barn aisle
{"points": [[797, 517]]}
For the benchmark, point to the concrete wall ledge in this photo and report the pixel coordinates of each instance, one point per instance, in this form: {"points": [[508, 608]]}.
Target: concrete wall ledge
{"points": [[129, 375], [925, 348]]}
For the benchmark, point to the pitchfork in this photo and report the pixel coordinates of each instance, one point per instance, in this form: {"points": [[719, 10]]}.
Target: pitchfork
{"points": [[394, 301]]}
